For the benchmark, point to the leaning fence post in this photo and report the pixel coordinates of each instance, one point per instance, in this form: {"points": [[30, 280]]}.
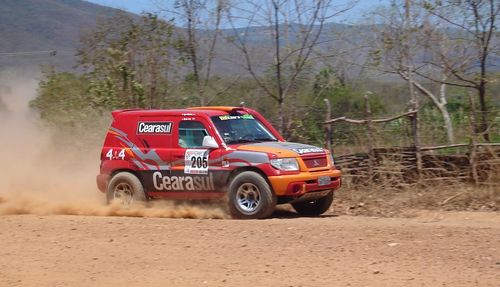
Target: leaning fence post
{"points": [[328, 126], [473, 141], [371, 156], [416, 138], [413, 97]]}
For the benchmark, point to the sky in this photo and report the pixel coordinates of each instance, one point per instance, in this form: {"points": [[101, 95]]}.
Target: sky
{"points": [[134, 6], [138, 6]]}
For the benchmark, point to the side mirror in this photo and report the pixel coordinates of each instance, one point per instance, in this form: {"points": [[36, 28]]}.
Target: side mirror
{"points": [[209, 142]]}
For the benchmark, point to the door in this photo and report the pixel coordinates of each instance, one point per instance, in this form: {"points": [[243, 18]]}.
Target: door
{"points": [[193, 168]]}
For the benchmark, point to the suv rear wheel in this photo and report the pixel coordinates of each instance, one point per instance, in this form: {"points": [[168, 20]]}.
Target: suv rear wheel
{"points": [[314, 207], [125, 188], [250, 197]]}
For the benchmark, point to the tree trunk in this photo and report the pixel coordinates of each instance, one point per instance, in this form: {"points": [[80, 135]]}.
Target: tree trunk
{"points": [[473, 142], [413, 95], [440, 104], [192, 48], [446, 115], [281, 117], [153, 96], [369, 144], [483, 129], [281, 123], [447, 124]]}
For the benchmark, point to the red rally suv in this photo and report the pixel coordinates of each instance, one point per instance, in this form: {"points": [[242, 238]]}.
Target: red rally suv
{"points": [[213, 152]]}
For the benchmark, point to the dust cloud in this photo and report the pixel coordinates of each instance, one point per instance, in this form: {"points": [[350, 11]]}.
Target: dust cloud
{"points": [[41, 174]]}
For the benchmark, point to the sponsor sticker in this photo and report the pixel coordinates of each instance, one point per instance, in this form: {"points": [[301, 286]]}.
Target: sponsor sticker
{"points": [[154, 128], [196, 161], [115, 154], [242, 117], [183, 183], [307, 150]]}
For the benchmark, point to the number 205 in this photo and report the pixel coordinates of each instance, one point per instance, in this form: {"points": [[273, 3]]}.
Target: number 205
{"points": [[199, 162]]}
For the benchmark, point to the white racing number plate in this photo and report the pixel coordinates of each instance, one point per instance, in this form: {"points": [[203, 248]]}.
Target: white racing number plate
{"points": [[324, 180], [196, 161]]}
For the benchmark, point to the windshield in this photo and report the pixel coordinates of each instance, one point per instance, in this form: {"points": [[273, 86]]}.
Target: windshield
{"points": [[241, 129]]}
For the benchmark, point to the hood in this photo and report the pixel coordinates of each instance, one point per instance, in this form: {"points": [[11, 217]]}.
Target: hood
{"points": [[282, 149]]}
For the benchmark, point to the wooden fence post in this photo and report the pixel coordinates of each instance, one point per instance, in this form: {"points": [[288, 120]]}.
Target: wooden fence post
{"points": [[328, 127], [413, 94], [416, 139], [371, 156], [473, 141]]}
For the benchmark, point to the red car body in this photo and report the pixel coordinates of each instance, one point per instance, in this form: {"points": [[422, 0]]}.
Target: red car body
{"points": [[150, 145]]}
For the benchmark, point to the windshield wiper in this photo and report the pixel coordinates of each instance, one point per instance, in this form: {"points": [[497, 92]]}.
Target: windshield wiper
{"points": [[266, 140], [243, 141], [251, 140]]}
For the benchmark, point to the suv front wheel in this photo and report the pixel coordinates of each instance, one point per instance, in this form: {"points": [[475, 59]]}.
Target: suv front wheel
{"points": [[250, 197]]}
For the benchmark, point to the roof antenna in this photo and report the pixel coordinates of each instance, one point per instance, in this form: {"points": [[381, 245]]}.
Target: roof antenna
{"points": [[242, 104]]}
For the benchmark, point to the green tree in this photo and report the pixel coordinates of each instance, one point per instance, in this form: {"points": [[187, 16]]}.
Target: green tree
{"points": [[128, 61], [344, 99], [63, 99], [64, 102]]}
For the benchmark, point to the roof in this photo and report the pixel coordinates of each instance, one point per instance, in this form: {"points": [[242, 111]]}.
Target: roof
{"points": [[217, 108], [208, 110]]}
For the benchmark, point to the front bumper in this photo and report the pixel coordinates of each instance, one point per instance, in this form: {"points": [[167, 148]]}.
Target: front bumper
{"points": [[304, 182]]}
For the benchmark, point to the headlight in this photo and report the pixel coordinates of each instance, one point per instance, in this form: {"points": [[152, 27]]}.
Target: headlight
{"points": [[289, 164], [332, 161]]}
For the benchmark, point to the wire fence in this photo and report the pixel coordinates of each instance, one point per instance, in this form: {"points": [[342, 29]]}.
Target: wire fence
{"points": [[371, 149]]}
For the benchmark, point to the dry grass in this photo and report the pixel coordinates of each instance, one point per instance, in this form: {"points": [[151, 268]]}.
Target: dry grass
{"points": [[377, 201], [390, 194]]}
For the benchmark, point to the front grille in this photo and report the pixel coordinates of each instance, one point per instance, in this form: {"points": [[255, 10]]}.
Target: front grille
{"points": [[316, 161]]}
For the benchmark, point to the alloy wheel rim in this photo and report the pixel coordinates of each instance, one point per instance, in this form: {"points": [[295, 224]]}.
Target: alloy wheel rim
{"points": [[248, 197]]}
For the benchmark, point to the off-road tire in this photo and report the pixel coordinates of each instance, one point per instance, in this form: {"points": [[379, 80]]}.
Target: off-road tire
{"points": [[125, 182], [250, 197], [314, 207]]}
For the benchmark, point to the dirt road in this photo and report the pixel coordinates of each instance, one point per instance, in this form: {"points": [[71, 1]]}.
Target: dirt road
{"points": [[435, 249]]}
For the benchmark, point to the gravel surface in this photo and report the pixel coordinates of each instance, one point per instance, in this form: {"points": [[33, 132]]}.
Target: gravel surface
{"points": [[432, 249]]}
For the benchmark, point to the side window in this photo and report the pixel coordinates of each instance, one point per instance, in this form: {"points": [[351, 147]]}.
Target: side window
{"points": [[191, 134]]}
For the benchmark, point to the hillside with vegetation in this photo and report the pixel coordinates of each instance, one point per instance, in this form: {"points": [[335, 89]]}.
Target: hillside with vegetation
{"points": [[31, 29]]}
